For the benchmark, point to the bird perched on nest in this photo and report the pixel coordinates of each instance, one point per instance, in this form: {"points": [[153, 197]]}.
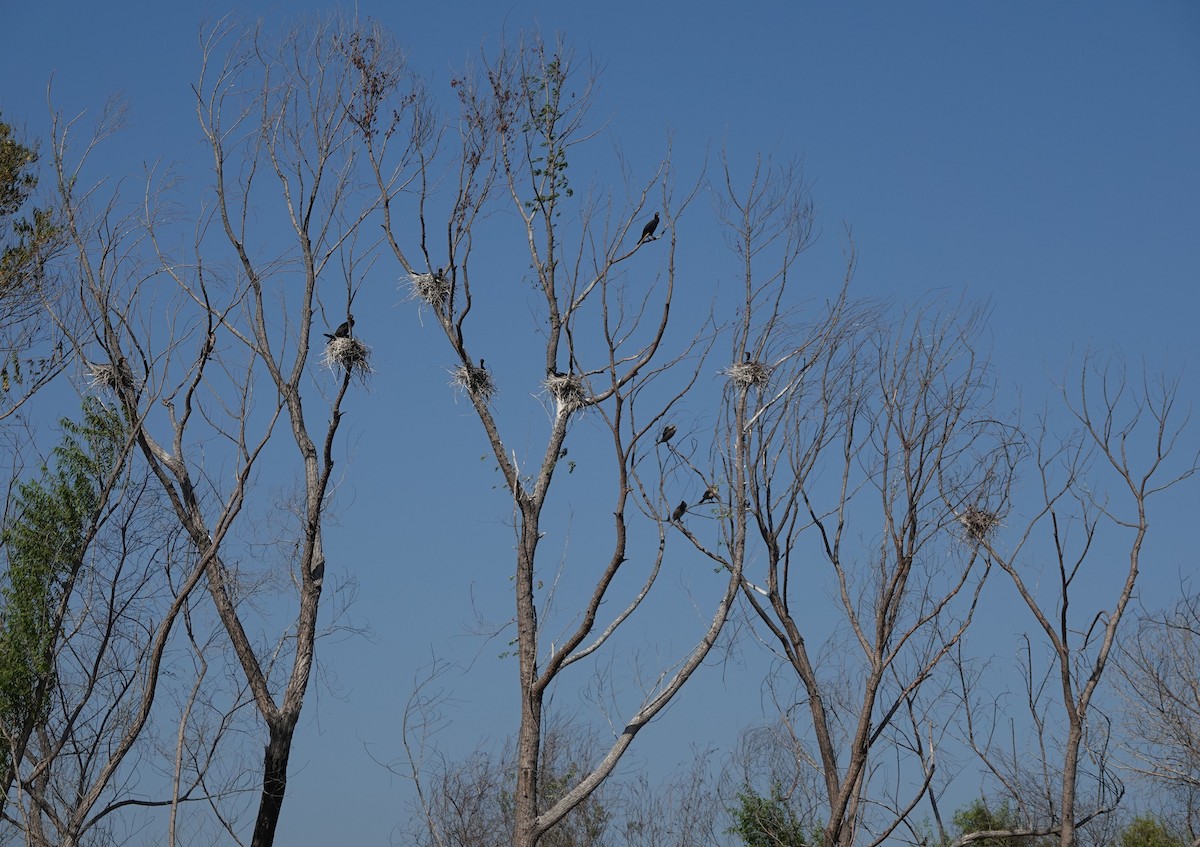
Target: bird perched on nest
{"points": [[648, 229], [679, 511], [668, 432], [344, 330]]}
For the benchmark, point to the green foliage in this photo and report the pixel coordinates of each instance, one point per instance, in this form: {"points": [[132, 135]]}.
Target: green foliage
{"points": [[546, 111], [768, 821], [979, 817], [1148, 831], [53, 522], [24, 241]]}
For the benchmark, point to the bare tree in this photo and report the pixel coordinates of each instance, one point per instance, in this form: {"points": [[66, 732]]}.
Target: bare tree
{"points": [[1094, 493], [851, 425], [1158, 663], [470, 803], [212, 371], [605, 284]]}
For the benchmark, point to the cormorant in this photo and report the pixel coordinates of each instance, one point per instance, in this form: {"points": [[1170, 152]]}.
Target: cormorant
{"points": [[668, 432], [343, 331], [648, 229], [679, 510]]}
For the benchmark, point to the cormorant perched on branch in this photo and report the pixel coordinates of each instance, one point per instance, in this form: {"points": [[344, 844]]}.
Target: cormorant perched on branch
{"points": [[668, 432], [648, 229], [679, 511], [343, 331]]}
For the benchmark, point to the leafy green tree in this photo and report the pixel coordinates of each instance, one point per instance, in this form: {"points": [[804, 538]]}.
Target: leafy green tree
{"points": [[979, 817], [767, 821], [53, 520], [28, 238], [24, 236], [1148, 831]]}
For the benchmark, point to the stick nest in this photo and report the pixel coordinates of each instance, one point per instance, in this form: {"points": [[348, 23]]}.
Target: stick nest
{"points": [[348, 353], [752, 374], [567, 390], [476, 381], [432, 288], [979, 523], [109, 376]]}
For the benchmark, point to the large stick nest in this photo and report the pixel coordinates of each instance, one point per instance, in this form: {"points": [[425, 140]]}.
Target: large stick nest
{"points": [[109, 376], [748, 374], [568, 390], [350, 354], [431, 288], [979, 523], [476, 381]]}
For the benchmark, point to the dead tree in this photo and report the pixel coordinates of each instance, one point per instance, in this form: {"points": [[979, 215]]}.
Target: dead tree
{"points": [[604, 302], [1091, 502], [1158, 665], [843, 425], [212, 364]]}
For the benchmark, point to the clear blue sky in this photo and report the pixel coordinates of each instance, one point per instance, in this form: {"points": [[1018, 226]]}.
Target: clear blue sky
{"points": [[1039, 157]]}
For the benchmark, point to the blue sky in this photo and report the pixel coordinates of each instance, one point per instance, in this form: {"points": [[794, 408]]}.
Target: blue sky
{"points": [[1041, 158]]}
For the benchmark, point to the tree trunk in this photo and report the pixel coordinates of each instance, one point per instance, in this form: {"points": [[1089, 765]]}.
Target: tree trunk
{"points": [[275, 762], [525, 807]]}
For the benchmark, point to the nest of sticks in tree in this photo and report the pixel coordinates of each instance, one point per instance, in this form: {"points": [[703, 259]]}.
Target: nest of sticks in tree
{"points": [[476, 381], [979, 523], [567, 390], [110, 376], [748, 374], [348, 353], [432, 288]]}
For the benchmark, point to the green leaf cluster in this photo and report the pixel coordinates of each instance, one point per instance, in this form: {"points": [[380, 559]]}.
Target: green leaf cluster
{"points": [[768, 821], [980, 817], [546, 111], [45, 543], [25, 240], [1148, 831]]}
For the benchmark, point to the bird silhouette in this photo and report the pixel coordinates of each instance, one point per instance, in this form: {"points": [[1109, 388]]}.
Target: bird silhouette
{"points": [[710, 493], [344, 329], [668, 432], [679, 510], [648, 229]]}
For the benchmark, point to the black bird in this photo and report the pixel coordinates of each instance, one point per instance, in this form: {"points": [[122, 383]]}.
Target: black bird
{"points": [[710, 493], [668, 432], [343, 331], [648, 229], [679, 510]]}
